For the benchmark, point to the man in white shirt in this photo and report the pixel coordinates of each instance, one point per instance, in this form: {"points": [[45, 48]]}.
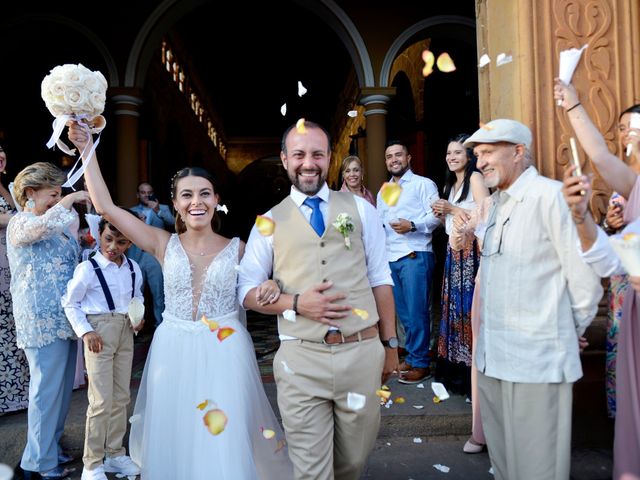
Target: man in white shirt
{"points": [[408, 226], [335, 312], [538, 297]]}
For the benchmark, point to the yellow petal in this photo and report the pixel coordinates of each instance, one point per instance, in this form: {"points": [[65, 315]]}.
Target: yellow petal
{"points": [[428, 58], [363, 314], [384, 394], [224, 332], [265, 225], [384, 387], [300, 128], [203, 405], [436, 399], [486, 127], [280, 445], [399, 400], [212, 324], [215, 421], [267, 433], [445, 64], [629, 236], [390, 193]]}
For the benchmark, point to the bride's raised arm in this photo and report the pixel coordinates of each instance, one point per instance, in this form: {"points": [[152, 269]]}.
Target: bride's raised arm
{"points": [[148, 238]]}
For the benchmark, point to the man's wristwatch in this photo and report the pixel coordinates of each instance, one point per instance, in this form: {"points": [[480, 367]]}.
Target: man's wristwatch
{"points": [[392, 342], [413, 227]]}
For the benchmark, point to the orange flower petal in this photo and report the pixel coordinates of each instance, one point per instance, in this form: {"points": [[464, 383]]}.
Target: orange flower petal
{"points": [[399, 400], [486, 127], [280, 445], [212, 324], [267, 433], [384, 387], [363, 314], [203, 405], [445, 64], [224, 332], [390, 193], [215, 421], [629, 236], [383, 394], [300, 128], [428, 58], [436, 399], [265, 225]]}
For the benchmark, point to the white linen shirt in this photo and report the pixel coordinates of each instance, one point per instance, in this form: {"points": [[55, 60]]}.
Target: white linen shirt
{"points": [[256, 265], [537, 294], [602, 257], [414, 204], [84, 295]]}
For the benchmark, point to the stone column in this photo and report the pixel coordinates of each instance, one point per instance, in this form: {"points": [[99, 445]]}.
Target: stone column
{"points": [[127, 158], [375, 103]]}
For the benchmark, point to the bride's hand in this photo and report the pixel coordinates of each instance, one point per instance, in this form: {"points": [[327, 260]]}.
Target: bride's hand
{"points": [[267, 293], [79, 135]]}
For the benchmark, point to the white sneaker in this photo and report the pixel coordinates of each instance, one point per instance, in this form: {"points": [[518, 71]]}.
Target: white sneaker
{"points": [[95, 474], [122, 464]]}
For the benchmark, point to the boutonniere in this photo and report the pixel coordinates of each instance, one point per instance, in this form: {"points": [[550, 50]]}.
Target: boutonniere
{"points": [[344, 224]]}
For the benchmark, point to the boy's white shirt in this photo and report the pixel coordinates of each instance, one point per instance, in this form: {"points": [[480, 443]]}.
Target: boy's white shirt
{"points": [[84, 295]]}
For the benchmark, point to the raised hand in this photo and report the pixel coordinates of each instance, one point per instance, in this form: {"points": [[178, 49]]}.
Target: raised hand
{"points": [[566, 94], [576, 192]]}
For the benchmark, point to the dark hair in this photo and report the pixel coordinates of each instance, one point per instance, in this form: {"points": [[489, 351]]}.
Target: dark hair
{"points": [[104, 223], [307, 124], [469, 168], [193, 172], [390, 143], [632, 109]]}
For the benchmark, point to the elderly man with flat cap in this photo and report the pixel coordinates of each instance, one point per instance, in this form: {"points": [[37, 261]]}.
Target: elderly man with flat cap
{"points": [[538, 297]]}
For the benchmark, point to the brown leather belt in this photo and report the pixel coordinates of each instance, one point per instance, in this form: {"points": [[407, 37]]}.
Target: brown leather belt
{"points": [[335, 336]]}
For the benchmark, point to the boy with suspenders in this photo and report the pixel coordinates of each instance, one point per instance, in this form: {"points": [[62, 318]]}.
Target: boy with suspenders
{"points": [[96, 304]]}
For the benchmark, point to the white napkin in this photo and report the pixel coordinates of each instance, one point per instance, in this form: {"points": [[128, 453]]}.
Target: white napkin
{"points": [[135, 311], [568, 62]]}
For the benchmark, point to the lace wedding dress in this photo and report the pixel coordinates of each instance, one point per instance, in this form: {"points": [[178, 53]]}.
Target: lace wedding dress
{"points": [[190, 371]]}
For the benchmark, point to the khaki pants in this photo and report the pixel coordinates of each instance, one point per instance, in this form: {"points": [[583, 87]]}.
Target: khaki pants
{"points": [[326, 438], [527, 427], [109, 375]]}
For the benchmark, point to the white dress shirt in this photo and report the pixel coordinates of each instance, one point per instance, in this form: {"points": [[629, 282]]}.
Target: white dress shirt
{"points": [[414, 204], [256, 265], [537, 294], [84, 295], [602, 257]]}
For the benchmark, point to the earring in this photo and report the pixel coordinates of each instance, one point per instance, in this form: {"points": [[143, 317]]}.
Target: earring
{"points": [[30, 204]]}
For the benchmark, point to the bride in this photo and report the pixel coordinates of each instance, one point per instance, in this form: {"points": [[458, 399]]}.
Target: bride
{"points": [[201, 410]]}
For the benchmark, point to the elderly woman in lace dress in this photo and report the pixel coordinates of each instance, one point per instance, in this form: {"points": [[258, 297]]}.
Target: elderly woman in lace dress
{"points": [[42, 255]]}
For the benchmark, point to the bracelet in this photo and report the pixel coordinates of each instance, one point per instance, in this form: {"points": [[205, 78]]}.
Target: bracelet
{"points": [[569, 109], [295, 302]]}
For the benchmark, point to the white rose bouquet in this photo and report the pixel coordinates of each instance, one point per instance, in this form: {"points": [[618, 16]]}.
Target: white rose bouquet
{"points": [[73, 92]]}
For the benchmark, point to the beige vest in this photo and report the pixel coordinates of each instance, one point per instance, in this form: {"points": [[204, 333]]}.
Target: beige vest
{"points": [[301, 260]]}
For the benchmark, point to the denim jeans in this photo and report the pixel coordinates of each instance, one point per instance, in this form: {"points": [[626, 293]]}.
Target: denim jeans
{"points": [[411, 292], [52, 370]]}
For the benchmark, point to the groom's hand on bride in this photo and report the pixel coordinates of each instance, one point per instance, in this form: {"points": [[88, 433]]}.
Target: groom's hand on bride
{"points": [[320, 306]]}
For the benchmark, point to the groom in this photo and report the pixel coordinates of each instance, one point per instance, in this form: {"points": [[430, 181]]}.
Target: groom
{"points": [[330, 359]]}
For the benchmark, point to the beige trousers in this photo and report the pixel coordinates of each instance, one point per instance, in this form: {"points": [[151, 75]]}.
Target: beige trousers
{"points": [[527, 427], [109, 375], [327, 438]]}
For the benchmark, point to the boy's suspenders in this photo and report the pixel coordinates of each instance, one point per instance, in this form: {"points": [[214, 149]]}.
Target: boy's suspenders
{"points": [[105, 287]]}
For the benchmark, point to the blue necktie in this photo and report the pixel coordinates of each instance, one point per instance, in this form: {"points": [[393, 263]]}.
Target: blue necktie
{"points": [[317, 222]]}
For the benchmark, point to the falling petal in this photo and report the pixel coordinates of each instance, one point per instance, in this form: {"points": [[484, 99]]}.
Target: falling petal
{"points": [[224, 332], [267, 433], [418, 407], [352, 113], [417, 440], [428, 58], [301, 89], [283, 109], [442, 468], [486, 126], [203, 405], [212, 324], [503, 59], [439, 390], [289, 315], [363, 314], [629, 236], [484, 60], [265, 225], [286, 368], [280, 445], [215, 421], [420, 385], [388, 444], [445, 64], [390, 193], [300, 128], [222, 208], [491, 471], [384, 396], [384, 387], [436, 399], [135, 418], [400, 400], [355, 401]]}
